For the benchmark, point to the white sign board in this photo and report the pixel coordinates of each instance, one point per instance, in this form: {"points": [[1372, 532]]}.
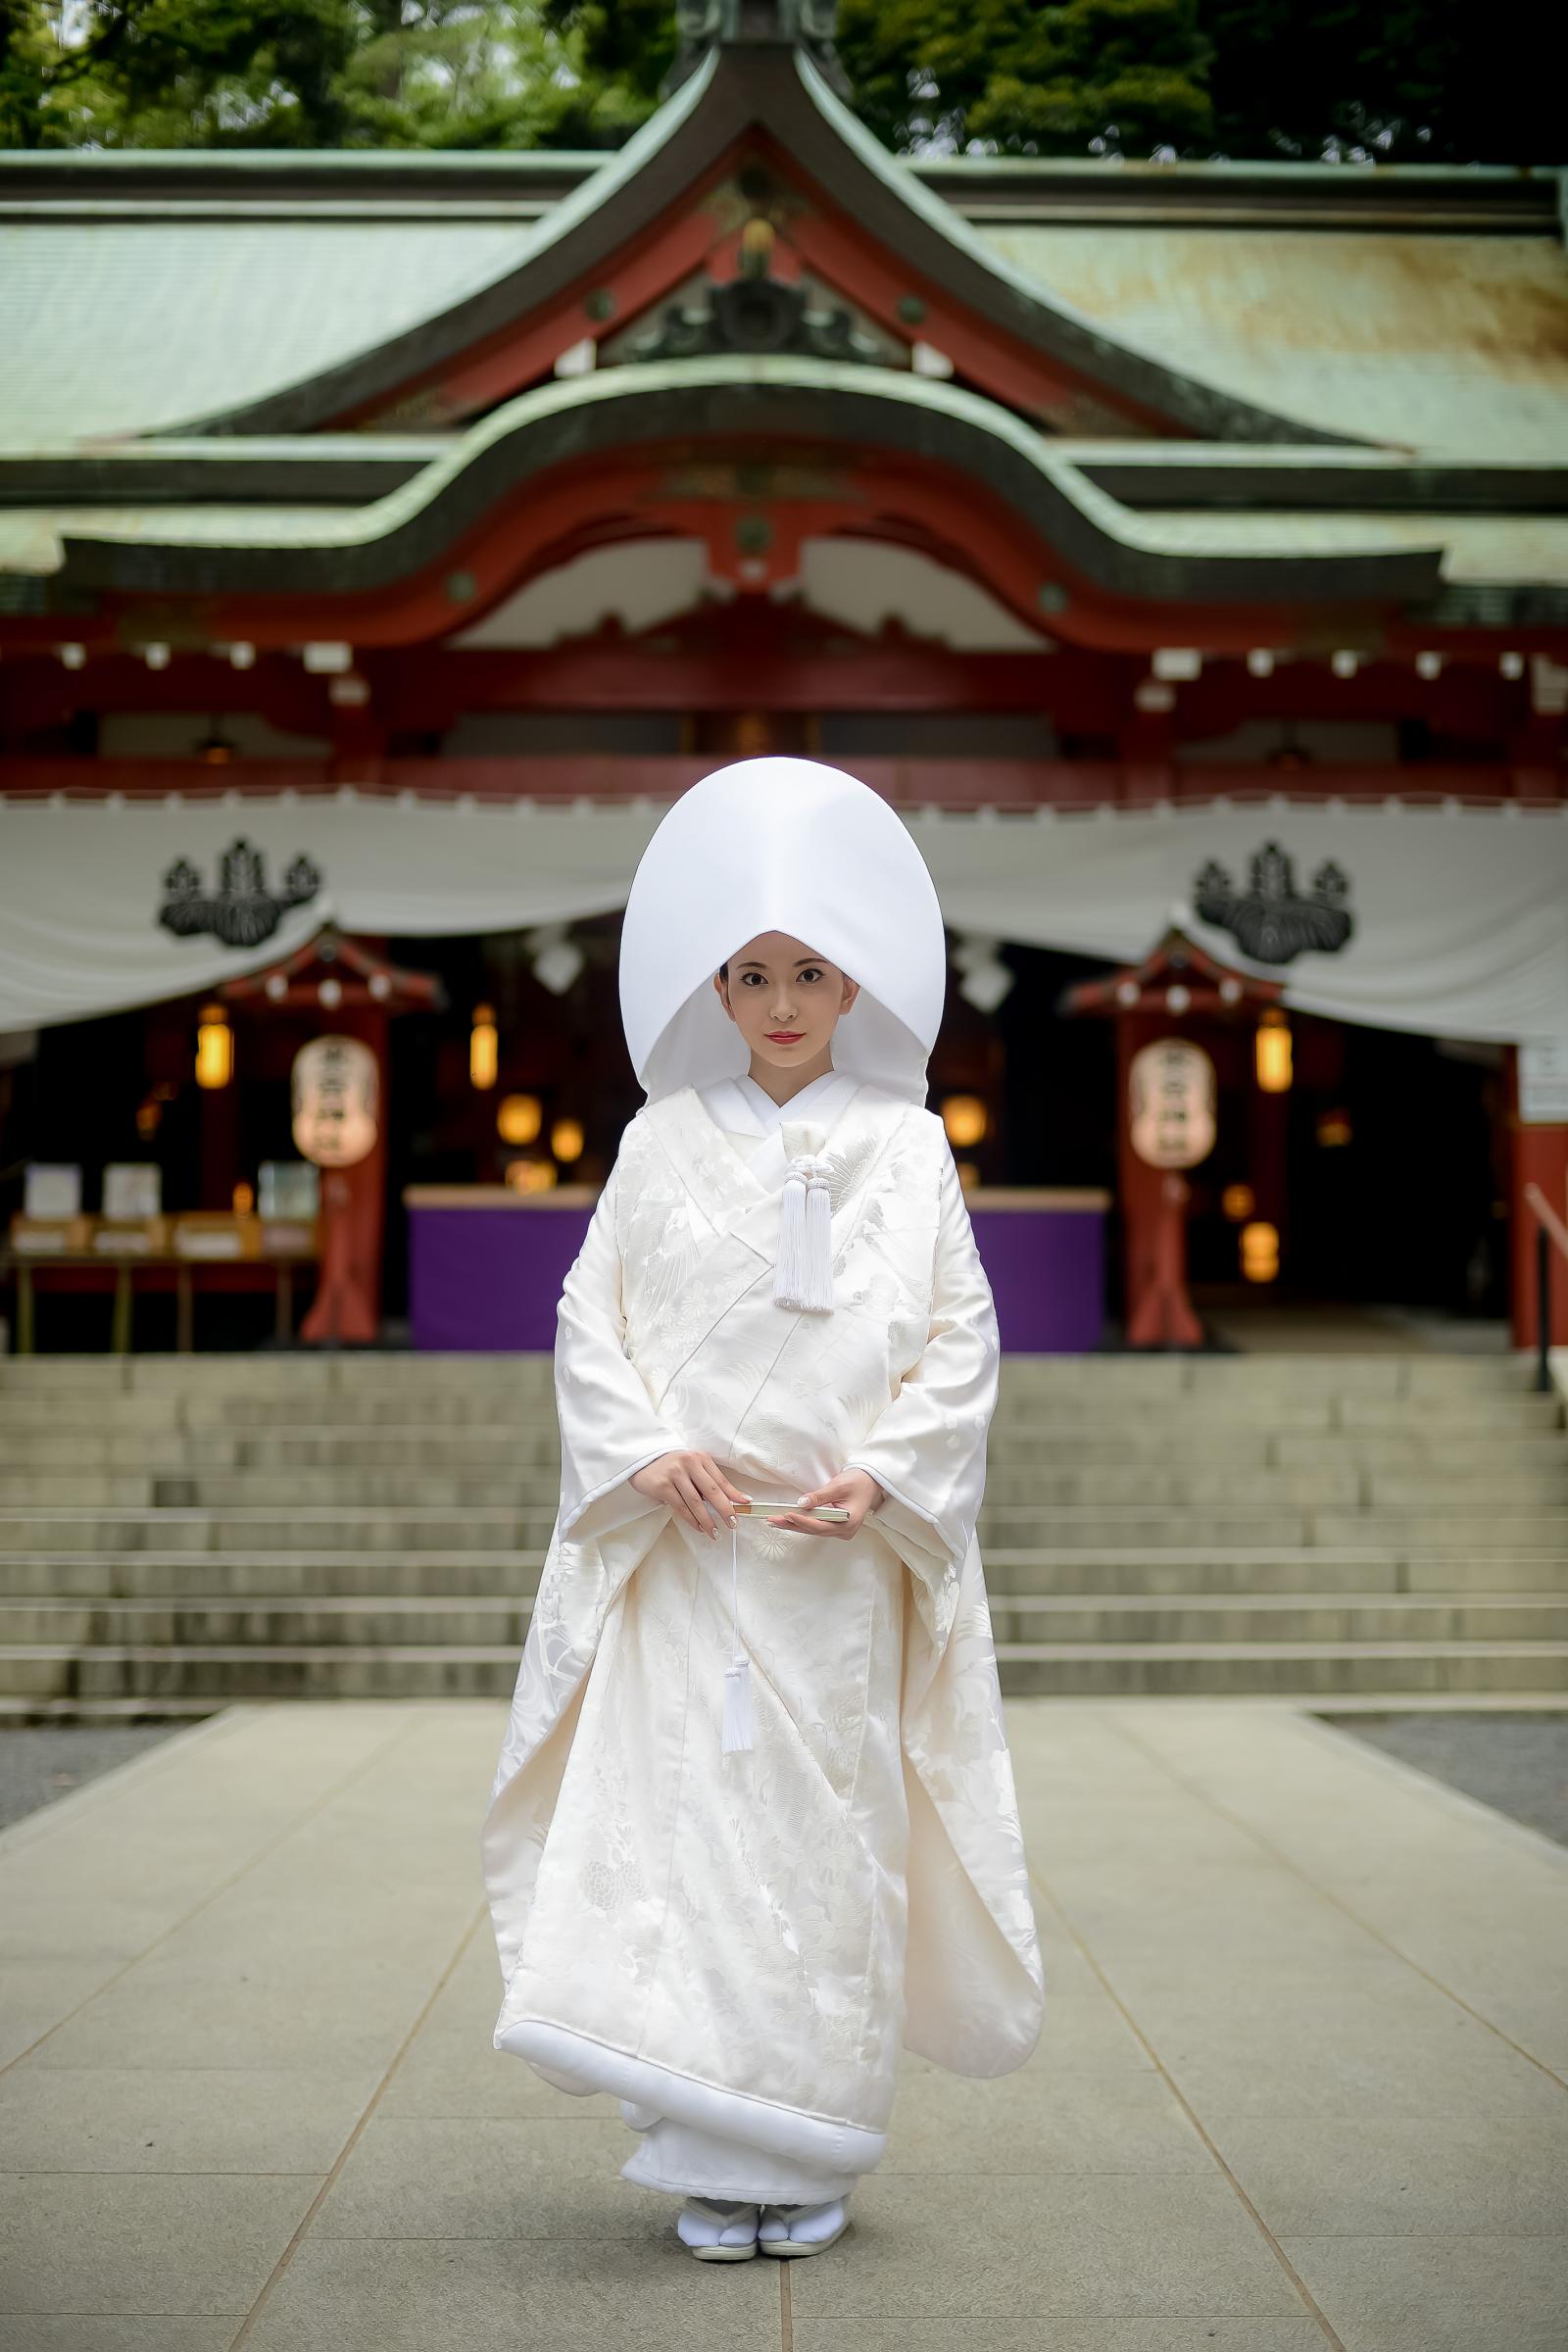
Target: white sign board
{"points": [[51, 1190], [133, 1189], [1543, 1082]]}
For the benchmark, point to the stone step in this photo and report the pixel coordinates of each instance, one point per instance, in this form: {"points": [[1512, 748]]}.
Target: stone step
{"points": [[246, 1577], [1002, 1526], [534, 1448], [1201, 1487], [438, 1621], [221, 1674], [500, 1419], [504, 1574], [1213, 1380], [1294, 1670], [1307, 1428]]}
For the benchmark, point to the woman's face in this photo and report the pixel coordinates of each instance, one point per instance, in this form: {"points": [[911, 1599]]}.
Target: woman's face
{"points": [[785, 1000]]}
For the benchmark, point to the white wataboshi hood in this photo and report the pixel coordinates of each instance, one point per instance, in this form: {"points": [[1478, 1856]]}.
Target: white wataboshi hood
{"points": [[787, 844]]}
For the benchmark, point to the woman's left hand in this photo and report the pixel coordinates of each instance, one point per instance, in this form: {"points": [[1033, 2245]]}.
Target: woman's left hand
{"points": [[853, 1491]]}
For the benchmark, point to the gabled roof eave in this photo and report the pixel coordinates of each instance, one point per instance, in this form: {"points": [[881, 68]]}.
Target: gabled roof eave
{"points": [[781, 93]]}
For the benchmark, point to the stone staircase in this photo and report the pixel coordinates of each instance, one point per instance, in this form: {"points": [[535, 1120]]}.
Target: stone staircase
{"points": [[180, 1532]]}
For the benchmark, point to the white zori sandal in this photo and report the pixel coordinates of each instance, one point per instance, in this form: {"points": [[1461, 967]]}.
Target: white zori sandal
{"points": [[790, 2230], [717, 2233]]}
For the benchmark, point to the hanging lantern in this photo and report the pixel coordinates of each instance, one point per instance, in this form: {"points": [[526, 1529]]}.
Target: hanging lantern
{"points": [[566, 1139], [336, 1091], [519, 1118], [484, 1046], [215, 1048], [1172, 1104], [1273, 1048], [965, 1118], [1238, 1203], [1260, 1252], [215, 747]]}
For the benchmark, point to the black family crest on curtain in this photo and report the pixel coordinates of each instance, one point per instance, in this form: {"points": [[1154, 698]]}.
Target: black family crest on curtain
{"points": [[241, 912], [1270, 922]]}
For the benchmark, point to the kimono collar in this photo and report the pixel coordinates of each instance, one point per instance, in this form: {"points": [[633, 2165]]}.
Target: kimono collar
{"points": [[744, 1111], [743, 1199]]}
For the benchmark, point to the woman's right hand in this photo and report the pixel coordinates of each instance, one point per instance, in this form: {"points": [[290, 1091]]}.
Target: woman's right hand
{"points": [[687, 1483]]}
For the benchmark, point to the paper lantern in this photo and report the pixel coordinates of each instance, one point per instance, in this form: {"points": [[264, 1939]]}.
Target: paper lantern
{"points": [[215, 1048], [484, 1049], [336, 1099], [1274, 1061], [1260, 1252], [1171, 1104]]}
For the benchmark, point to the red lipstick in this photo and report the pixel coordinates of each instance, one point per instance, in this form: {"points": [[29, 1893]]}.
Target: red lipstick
{"points": [[784, 1037]]}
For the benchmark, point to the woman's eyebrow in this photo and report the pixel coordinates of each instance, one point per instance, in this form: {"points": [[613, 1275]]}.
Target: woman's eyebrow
{"points": [[753, 963]]}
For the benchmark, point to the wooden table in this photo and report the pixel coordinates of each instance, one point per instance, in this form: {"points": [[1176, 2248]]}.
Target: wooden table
{"points": [[117, 1271]]}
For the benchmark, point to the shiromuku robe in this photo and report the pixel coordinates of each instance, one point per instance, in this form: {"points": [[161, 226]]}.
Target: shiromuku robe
{"points": [[741, 1941]]}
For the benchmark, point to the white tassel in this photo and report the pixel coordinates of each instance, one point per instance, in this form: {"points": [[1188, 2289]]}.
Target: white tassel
{"points": [[804, 1276], [740, 1721]]}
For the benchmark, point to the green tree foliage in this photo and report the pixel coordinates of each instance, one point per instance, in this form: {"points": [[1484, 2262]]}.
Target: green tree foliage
{"points": [[1429, 79], [629, 44], [461, 73], [1003, 75]]}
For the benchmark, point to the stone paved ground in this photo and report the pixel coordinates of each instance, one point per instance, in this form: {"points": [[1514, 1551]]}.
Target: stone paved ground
{"points": [[1305, 2081]]}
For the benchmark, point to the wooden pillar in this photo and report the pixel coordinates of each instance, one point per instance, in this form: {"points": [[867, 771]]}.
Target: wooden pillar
{"points": [[347, 1306], [1540, 1155], [1153, 1208]]}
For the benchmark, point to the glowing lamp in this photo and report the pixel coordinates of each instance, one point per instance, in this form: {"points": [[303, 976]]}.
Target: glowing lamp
{"points": [[566, 1139], [519, 1118], [484, 1046], [1274, 1063], [1260, 1252], [530, 1175], [215, 1048], [1334, 1130], [965, 1118], [1238, 1203], [244, 1199]]}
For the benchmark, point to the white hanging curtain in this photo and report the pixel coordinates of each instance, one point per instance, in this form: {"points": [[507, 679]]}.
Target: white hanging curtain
{"points": [[1459, 917]]}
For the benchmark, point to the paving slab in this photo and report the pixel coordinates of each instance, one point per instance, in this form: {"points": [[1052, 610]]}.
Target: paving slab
{"points": [[1303, 2080]]}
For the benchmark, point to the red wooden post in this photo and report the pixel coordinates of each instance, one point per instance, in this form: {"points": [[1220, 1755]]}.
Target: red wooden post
{"points": [[1540, 1155]]}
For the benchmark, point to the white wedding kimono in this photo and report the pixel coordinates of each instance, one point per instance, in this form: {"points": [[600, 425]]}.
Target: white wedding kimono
{"points": [[737, 1944]]}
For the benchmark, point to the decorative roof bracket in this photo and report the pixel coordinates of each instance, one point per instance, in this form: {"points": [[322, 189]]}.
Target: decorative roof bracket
{"points": [[807, 24]]}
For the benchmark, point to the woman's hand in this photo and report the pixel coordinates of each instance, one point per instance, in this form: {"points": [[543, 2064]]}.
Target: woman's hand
{"points": [[687, 1483], [853, 1491]]}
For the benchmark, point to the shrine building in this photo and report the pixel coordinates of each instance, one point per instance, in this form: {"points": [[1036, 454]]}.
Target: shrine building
{"points": [[386, 539]]}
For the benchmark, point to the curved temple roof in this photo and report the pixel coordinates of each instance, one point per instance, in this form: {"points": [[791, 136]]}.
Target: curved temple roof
{"points": [[304, 309], [211, 550], [1336, 384]]}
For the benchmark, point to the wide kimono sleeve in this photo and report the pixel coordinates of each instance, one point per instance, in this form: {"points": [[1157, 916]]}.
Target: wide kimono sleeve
{"points": [[608, 1426], [927, 1446]]}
